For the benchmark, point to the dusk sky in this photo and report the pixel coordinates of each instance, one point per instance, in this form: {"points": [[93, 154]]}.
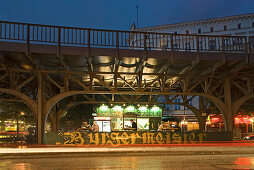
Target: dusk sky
{"points": [[118, 14]]}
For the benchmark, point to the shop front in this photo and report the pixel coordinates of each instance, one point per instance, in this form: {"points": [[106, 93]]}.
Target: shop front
{"points": [[183, 123], [11, 125], [215, 123], [170, 123], [11, 131], [119, 118], [244, 123]]}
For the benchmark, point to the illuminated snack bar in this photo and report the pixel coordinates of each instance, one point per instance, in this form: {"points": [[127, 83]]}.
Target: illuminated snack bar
{"points": [[147, 118]]}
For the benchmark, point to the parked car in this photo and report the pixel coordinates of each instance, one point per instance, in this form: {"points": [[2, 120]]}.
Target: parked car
{"points": [[250, 137]]}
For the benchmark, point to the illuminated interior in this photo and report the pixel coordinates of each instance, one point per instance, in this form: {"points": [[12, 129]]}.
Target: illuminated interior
{"points": [[143, 123], [122, 114]]}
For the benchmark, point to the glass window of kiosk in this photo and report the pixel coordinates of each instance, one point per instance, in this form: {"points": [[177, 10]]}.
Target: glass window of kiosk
{"points": [[143, 123], [117, 123], [104, 125], [100, 125], [127, 120]]}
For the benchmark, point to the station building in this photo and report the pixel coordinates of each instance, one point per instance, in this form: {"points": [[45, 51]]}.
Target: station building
{"points": [[237, 25]]}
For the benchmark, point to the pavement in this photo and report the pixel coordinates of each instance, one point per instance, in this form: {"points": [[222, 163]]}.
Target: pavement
{"points": [[195, 162], [35, 151]]}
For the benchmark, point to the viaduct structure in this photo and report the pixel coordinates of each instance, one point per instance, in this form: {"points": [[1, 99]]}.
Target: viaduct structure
{"points": [[41, 65]]}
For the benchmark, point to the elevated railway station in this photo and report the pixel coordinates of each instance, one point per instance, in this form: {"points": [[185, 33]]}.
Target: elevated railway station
{"points": [[41, 65]]}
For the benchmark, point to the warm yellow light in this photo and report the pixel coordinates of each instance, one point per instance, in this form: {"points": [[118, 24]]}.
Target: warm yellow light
{"points": [[102, 118], [26, 66], [22, 113], [184, 122]]}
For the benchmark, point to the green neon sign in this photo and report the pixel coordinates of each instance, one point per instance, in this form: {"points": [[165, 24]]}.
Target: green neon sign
{"points": [[130, 109], [155, 111], [103, 108], [142, 109], [117, 109]]}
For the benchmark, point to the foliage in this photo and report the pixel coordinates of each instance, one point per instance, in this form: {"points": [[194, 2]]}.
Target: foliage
{"points": [[12, 110], [247, 110], [75, 116]]}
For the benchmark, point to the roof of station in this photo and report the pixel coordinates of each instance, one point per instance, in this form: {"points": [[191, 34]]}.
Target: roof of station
{"points": [[203, 21]]}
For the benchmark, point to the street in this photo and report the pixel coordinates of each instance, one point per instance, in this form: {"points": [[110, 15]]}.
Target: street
{"points": [[241, 161]]}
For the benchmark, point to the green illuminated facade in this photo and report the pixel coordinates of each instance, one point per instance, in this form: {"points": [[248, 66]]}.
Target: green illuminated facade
{"points": [[117, 110]]}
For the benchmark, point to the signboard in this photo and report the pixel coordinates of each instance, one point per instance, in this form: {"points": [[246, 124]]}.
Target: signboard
{"points": [[131, 137]]}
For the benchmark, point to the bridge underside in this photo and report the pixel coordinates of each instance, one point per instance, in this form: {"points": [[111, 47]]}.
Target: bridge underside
{"points": [[98, 69]]}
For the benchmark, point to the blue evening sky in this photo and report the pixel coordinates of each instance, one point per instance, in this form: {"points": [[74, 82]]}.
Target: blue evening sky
{"points": [[118, 14]]}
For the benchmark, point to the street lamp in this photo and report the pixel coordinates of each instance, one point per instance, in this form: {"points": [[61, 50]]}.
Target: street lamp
{"points": [[22, 114], [184, 112], [184, 123]]}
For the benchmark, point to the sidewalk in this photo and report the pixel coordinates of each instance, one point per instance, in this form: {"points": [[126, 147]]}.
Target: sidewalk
{"points": [[157, 150]]}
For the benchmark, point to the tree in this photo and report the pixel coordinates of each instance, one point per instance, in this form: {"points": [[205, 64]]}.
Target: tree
{"points": [[12, 110], [247, 110], [76, 115]]}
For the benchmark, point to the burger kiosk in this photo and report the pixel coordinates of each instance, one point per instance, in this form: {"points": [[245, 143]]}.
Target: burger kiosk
{"points": [[118, 118]]}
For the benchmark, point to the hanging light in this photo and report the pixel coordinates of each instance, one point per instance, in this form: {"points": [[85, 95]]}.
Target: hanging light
{"points": [[117, 108], [155, 109], [142, 109], [130, 109], [103, 108]]}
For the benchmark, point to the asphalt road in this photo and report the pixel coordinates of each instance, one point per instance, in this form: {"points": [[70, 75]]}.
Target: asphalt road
{"points": [[134, 162]]}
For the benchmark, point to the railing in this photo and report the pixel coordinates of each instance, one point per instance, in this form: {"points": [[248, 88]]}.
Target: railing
{"points": [[33, 33]]}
